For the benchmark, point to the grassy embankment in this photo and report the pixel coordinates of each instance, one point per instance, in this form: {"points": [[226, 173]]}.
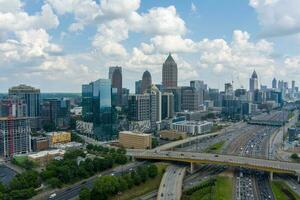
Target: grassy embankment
{"points": [[144, 188], [215, 148], [283, 192], [219, 188]]}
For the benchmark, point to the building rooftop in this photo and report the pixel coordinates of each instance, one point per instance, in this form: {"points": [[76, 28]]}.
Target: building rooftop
{"points": [[192, 122], [48, 152], [23, 88], [134, 133], [57, 133]]}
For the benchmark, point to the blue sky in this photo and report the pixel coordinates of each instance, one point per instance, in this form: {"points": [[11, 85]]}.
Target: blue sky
{"points": [[58, 45]]}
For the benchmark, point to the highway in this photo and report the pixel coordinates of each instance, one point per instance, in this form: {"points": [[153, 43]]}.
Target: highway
{"points": [[74, 190], [171, 184], [227, 160], [190, 180]]}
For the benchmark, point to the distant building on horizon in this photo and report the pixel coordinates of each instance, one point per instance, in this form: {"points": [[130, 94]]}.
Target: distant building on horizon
{"points": [[138, 87], [146, 81], [253, 83], [169, 73], [115, 75], [32, 97], [274, 83]]}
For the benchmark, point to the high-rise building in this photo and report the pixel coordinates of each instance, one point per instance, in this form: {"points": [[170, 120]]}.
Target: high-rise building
{"points": [[139, 107], [215, 96], [138, 87], [169, 73], [18, 106], [293, 86], [200, 88], [228, 89], [115, 75], [167, 107], [253, 83], [274, 83], [146, 81], [97, 108], [177, 97], [31, 96], [155, 106], [56, 112], [190, 99], [14, 136]]}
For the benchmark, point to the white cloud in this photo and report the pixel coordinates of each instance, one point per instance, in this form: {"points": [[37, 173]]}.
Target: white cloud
{"points": [[193, 7], [10, 6], [277, 17], [239, 56], [173, 43], [160, 21], [20, 20]]}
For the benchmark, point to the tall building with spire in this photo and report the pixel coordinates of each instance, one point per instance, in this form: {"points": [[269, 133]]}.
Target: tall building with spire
{"points": [[253, 83], [169, 73], [146, 81], [115, 75]]}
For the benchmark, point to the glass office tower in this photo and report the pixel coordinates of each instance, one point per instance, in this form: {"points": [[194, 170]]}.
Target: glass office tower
{"points": [[97, 108]]}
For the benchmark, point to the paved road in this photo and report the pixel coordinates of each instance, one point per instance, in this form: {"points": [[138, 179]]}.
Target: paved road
{"points": [[74, 190], [239, 161], [203, 173], [171, 184]]}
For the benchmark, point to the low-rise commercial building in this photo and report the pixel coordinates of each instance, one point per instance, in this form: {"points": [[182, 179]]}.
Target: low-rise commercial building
{"points": [[132, 140], [39, 143], [44, 157], [59, 137], [192, 127], [172, 135]]}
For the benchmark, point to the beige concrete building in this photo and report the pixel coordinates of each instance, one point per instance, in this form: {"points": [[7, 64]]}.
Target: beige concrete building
{"points": [[44, 157], [131, 140], [172, 135]]}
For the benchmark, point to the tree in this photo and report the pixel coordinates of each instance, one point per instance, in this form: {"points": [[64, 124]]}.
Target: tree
{"points": [[54, 182], [154, 142], [121, 159], [22, 194], [136, 178], [122, 184], [85, 194], [73, 154], [129, 180], [152, 171], [143, 173], [295, 156], [105, 187]]}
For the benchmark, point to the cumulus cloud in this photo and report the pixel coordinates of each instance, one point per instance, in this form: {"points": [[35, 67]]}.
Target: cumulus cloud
{"points": [[240, 55], [277, 17], [15, 19]]}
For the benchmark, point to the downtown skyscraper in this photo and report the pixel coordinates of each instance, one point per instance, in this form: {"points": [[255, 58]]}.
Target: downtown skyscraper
{"points": [[169, 73]]}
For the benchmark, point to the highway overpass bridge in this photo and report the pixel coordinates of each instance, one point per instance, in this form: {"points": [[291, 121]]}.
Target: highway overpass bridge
{"points": [[267, 122], [271, 166]]}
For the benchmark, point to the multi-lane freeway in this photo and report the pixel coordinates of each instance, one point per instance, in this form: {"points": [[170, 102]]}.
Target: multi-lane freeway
{"points": [[229, 160], [171, 184]]}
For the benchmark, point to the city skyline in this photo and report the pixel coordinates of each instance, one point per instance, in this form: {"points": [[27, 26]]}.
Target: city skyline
{"points": [[77, 42]]}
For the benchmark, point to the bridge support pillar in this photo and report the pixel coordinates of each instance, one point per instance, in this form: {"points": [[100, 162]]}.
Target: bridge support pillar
{"points": [[271, 176], [192, 167], [298, 178]]}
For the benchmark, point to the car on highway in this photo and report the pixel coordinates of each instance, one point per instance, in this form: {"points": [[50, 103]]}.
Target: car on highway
{"points": [[52, 195]]}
